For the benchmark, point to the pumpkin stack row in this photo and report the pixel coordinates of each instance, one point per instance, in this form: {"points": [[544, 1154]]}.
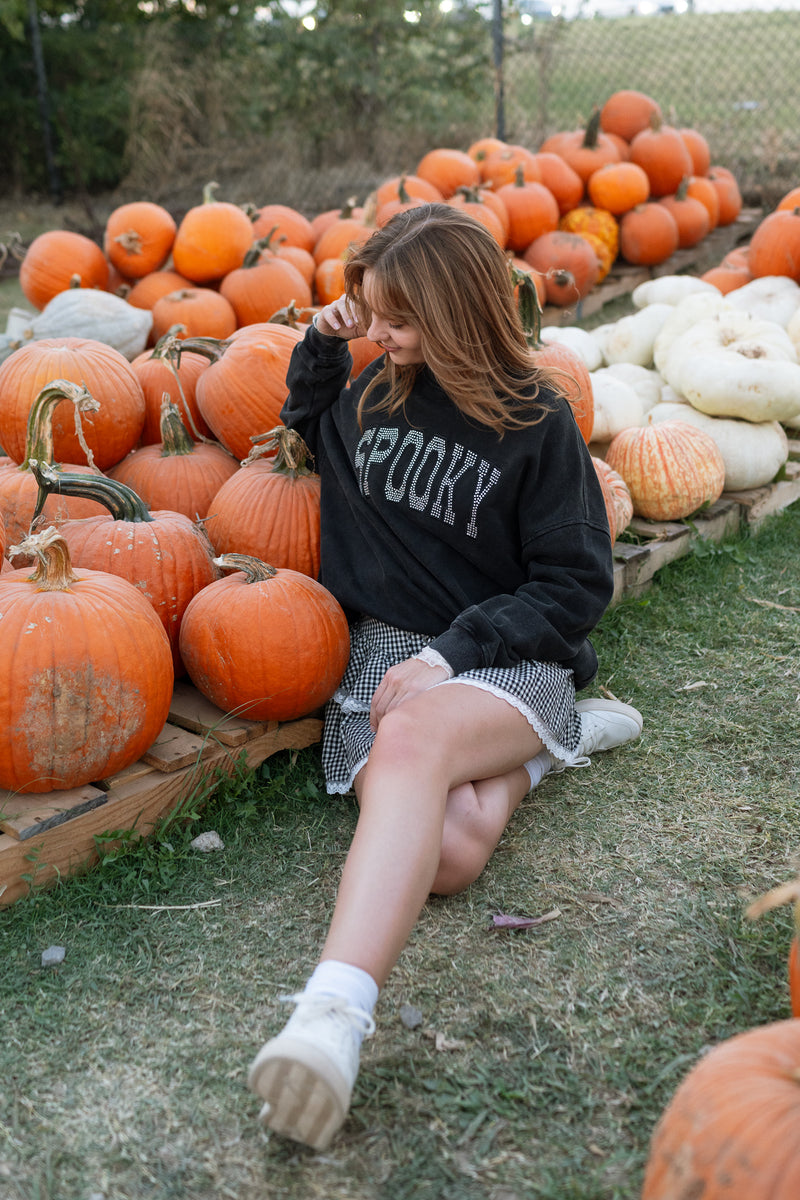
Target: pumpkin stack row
{"points": [[148, 529]]}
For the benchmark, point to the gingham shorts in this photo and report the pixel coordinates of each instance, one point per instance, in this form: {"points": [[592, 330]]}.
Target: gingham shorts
{"points": [[542, 691]]}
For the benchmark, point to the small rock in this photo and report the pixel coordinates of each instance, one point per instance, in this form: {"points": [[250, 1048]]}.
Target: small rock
{"points": [[210, 840], [410, 1016], [53, 955]]}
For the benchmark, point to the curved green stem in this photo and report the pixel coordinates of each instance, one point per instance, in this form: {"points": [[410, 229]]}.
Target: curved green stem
{"points": [[120, 500]]}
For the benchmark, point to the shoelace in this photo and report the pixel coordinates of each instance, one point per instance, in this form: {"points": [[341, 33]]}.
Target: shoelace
{"points": [[320, 1005]]}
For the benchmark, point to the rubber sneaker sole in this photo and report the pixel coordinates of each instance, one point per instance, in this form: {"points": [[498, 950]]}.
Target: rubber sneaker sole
{"points": [[627, 729], [306, 1098]]}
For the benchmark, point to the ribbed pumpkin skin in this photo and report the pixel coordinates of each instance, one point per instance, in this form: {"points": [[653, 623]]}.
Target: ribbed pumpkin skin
{"points": [[670, 471], [110, 433], [272, 516], [269, 650], [91, 683], [54, 259], [184, 483], [731, 1131], [166, 559], [19, 492], [156, 378], [242, 394]]}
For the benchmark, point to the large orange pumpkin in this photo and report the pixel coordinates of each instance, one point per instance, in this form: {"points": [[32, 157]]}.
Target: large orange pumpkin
{"points": [[775, 246], [109, 433], [448, 170], [586, 150], [648, 234], [568, 264], [92, 681], [270, 507], [243, 390], [264, 283], [730, 1131], [212, 239], [266, 643], [60, 259], [672, 468], [138, 238], [163, 554], [627, 112], [284, 223], [194, 312], [662, 153]]}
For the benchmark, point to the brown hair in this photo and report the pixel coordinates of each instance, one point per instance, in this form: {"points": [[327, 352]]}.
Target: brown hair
{"points": [[438, 269]]}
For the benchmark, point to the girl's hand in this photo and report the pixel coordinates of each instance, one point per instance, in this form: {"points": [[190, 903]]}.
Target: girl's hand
{"points": [[339, 319], [400, 683]]}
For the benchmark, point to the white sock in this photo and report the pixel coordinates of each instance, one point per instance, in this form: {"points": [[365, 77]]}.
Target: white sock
{"points": [[538, 767], [342, 979]]}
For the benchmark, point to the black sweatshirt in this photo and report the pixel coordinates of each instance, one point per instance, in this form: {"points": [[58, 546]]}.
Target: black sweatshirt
{"points": [[497, 547]]}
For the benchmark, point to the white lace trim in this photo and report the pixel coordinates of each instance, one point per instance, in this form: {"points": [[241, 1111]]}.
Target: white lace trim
{"points": [[570, 757], [432, 658]]}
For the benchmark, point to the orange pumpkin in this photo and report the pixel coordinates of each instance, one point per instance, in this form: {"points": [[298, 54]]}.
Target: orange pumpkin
{"points": [[588, 218], [717, 1136], [448, 170], [285, 224], [648, 234], [150, 288], [619, 187], [728, 194], [617, 497], [484, 146], [114, 428], [329, 280], [270, 507], [532, 210], [194, 312], [169, 370], [264, 283], [243, 390], [503, 165], [671, 468], [791, 200], [266, 643], [92, 681], [691, 216], [176, 473], [568, 264], [336, 240], [560, 179], [485, 208], [57, 260], [775, 246], [163, 554], [138, 238], [727, 277], [411, 186], [661, 152], [586, 150], [211, 239], [627, 112], [20, 502], [702, 189], [698, 148]]}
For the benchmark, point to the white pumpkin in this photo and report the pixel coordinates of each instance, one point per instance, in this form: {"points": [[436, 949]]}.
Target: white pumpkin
{"points": [[684, 315], [669, 289], [771, 298], [631, 338], [646, 382], [616, 406], [753, 453], [99, 316], [734, 365], [580, 341]]}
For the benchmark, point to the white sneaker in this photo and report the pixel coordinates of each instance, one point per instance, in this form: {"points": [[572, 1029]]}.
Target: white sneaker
{"points": [[605, 724], [305, 1075]]}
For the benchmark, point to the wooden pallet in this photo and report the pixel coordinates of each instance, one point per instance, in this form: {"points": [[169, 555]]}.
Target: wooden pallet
{"points": [[44, 835], [623, 278], [661, 542]]}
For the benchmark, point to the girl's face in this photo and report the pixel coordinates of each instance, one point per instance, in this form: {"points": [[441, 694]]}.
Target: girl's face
{"points": [[400, 341]]}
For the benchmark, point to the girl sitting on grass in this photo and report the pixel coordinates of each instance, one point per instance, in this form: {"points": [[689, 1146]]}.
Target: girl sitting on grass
{"points": [[464, 533]]}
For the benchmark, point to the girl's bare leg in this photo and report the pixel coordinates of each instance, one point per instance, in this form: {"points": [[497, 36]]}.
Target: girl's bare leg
{"points": [[424, 822]]}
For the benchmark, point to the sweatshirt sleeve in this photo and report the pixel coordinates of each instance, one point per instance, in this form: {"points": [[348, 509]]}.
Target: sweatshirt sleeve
{"points": [[318, 372], [568, 563]]}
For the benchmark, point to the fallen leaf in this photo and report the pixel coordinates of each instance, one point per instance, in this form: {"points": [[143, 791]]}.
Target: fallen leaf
{"points": [[503, 921], [691, 687]]}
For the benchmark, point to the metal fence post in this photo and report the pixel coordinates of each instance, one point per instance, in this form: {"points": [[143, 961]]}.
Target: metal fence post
{"points": [[497, 58]]}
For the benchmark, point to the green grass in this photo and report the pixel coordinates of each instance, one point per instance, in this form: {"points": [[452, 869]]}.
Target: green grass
{"points": [[124, 1068]]}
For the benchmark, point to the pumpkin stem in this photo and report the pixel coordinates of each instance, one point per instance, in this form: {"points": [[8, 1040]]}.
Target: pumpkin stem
{"points": [[289, 315], [39, 439], [175, 439], [168, 350], [253, 256], [53, 571], [211, 348], [255, 570], [530, 310], [208, 192], [120, 500], [292, 452], [592, 131]]}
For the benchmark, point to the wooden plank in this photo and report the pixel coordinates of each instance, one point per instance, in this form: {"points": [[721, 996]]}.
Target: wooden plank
{"points": [[135, 800], [760, 503], [175, 749], [191, 710], [24, 814]]}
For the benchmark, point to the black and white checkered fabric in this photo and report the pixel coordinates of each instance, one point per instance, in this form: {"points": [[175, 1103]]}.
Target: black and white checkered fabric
{"points": [[543, 692]]}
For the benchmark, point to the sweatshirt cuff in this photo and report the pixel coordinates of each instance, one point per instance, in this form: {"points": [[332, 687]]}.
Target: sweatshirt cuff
{"points": [[459, 650]]}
